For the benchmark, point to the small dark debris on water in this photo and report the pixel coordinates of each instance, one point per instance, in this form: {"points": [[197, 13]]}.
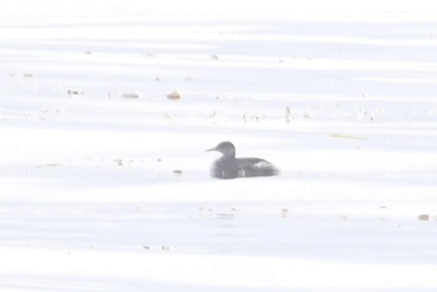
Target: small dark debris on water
{"points": [[88, 52], [177, 172], [214, 57], [130, 95], [288, 117], [423, 217], [174, 95], [74, 92], [119, 162], [27, 75]]}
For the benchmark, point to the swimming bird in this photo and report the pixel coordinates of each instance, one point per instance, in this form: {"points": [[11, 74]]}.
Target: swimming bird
{"points": [[228, 166]]}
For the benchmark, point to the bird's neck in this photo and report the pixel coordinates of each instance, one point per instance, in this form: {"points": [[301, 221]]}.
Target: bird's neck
{"points": [[228, 156]]}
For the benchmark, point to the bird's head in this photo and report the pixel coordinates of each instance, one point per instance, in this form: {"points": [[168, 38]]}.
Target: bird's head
{"points": [[226, 148]]}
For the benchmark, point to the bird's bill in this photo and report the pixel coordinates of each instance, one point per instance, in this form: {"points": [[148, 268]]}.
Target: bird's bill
{"points": [[211, 149]]}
